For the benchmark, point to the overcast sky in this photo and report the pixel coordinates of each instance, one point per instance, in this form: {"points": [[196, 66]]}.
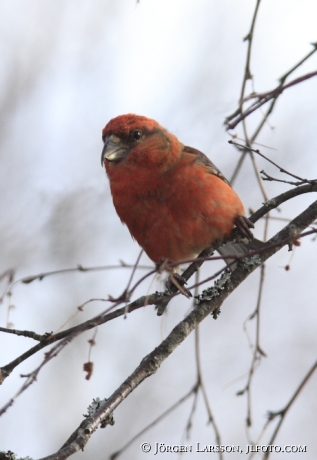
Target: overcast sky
{"points": [[67, 68]]}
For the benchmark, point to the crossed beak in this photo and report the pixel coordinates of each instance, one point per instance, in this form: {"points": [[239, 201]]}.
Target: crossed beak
{"points": [[113, 150]]}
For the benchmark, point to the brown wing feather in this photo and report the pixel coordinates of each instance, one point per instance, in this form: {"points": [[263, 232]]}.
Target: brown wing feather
{"points": [[203, 159]]}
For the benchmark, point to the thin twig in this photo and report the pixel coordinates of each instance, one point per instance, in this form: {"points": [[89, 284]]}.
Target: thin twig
{"points": [[282, 170], [200, 379], [32, 376], [155, 422], [247, 75], [78, 269], [258, 352], [282, 413], [267, 113], [249, 38], [152, 361], [152, 299], [263, 98]]}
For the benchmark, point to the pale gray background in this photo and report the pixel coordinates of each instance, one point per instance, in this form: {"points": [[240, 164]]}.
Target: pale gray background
{"points": [[67, 68]]}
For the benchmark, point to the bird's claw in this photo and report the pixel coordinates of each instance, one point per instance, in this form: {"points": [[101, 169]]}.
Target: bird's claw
{"points": [[178, 281], [244, 224], [174, 282]]}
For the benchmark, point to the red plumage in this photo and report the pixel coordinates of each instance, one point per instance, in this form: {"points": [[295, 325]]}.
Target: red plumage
{"points": [[173, 199]]}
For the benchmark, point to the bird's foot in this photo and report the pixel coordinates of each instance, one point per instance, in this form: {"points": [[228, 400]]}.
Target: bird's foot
{"points": [[178, 281], [244, 224]]}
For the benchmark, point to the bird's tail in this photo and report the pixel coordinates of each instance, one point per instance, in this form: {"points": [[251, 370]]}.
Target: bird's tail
{"points": [[239, 249]]}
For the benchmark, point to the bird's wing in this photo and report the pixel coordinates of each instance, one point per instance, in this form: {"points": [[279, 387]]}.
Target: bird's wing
{"points": [[204, 160]]}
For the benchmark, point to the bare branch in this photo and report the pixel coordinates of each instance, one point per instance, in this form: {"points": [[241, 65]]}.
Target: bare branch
{"points": [[250, 140], [263, 98], [207, 304], [151, 299], [282, 170], [283, 412], [155, 422]]}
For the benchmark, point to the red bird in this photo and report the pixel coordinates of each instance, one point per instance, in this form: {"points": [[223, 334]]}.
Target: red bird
{"points": [[173, 199]]}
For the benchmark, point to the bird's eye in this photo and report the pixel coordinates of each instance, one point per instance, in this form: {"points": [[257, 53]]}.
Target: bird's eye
{"points": [[137, 134]]}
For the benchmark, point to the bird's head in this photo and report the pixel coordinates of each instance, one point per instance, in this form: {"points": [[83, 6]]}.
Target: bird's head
{"points": [[139, 141]]}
